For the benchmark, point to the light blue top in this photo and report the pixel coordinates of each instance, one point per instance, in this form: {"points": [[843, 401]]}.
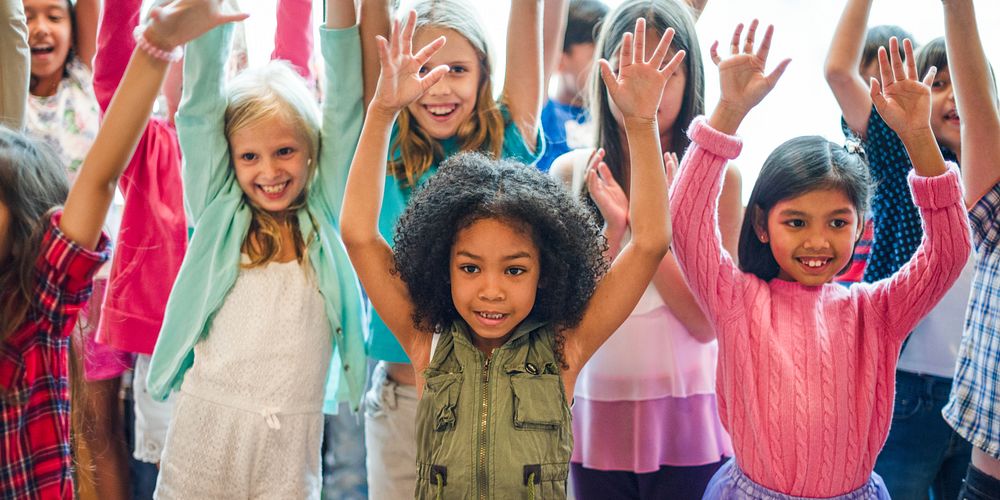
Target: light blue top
{"points": [[382, 344], [221, 216]]}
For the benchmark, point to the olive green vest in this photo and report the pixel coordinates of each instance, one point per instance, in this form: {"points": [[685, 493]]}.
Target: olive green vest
{"points": [[497, 427]]}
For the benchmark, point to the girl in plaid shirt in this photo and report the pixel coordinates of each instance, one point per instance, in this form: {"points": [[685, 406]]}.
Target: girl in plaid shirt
{"points": [[48, 256]]}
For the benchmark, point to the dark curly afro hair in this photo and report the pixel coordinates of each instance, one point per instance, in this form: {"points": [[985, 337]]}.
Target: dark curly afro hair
{"points": [[470, 187]]}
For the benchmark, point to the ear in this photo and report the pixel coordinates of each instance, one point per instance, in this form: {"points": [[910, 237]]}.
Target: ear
{"points": [[759, 224]]}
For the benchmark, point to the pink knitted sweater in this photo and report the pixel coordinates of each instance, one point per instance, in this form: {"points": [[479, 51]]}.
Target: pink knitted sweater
{"points": [[806, 374]]}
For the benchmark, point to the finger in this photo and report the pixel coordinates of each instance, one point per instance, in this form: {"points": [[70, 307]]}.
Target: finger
{"points": [[911, 62], [595, 158], [639, 46], [775, 75], [394, 39], [674, 63], [765, 45], [233, 18], [875, 91], [608, 76], [883, 68], [429, 50], [929, 78], [383, 49], [663, 47], [625, 55], [609, 180], [406, 47], [897, 64], [714, 52], [433, 76], [734, 44], [748, 44]]}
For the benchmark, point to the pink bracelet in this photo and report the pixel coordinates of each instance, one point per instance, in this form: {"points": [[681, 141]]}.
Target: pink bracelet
{"points": [[143, 43]]}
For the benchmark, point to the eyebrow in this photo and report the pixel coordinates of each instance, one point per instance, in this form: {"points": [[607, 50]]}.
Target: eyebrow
{"points": [[515, 256], [799, 213]]}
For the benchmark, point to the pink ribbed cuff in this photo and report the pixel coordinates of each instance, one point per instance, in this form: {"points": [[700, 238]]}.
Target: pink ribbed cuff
{"points": [[724, 145], [939, 191]]}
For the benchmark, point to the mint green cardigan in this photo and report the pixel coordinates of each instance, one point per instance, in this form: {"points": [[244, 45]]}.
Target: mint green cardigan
{"points": [[221, 217]]}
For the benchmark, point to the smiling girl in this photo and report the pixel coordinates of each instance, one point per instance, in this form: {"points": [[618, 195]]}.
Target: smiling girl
{"points": [[807, 367]]}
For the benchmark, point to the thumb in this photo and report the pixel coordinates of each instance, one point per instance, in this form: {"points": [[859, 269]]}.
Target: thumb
{"points": [[232, 18], [433, 77]]}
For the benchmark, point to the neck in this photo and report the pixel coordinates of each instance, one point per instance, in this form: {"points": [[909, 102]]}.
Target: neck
{"points": [[568, 96], [46, 86]]}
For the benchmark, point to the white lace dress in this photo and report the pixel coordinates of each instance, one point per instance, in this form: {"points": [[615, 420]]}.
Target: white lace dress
{"points": [[249, 421]]}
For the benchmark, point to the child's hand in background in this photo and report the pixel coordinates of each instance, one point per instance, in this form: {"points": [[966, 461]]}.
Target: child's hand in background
{"points": [[180, 21], [903, 101], [637, 87], [741, 75], [401, 81]]}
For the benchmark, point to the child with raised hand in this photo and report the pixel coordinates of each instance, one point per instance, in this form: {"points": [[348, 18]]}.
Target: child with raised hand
{"points": [[645, 417], [972, 410], [266, 310], [921, 453], [806, 367], [457, 114], [495, 284], [49, 258]]}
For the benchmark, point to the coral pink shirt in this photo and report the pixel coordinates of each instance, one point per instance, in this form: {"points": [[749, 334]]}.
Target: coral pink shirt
{"points": [[806, 374]]}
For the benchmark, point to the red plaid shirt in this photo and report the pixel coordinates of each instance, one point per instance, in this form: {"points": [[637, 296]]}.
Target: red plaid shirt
{"points": [[34, 373]]}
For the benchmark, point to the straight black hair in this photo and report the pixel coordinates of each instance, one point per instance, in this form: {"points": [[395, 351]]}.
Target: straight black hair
{"points": [[797, 167]]}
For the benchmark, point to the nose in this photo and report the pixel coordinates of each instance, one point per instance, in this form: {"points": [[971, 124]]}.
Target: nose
{"points": [[817, 240], [440, 88], [491, 289]]}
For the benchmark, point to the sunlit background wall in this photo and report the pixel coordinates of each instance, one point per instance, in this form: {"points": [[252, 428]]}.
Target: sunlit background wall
{"points": [[801, 104]]}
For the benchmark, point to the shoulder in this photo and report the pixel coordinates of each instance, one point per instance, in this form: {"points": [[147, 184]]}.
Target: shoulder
{"points": [[569, 167]]}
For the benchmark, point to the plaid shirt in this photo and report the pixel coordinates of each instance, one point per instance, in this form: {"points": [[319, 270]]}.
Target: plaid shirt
{"points": [[34, 373], [973, 409]]}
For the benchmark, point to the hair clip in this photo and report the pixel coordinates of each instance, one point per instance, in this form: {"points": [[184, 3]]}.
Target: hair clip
{"points": [[854, 147]]}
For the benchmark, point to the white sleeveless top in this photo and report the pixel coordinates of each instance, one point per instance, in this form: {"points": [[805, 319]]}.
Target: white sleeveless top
{"points": [[268, 345]]}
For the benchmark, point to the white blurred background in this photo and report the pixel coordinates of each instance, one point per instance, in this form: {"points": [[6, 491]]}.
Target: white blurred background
{"points": [[801, 104]]}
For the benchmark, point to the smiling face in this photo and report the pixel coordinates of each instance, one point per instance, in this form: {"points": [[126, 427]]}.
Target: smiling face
{"points": [[50, 36], [451, 101], [944, 115], [494, 271], [671, 100], [272, 163], [812, 236]]}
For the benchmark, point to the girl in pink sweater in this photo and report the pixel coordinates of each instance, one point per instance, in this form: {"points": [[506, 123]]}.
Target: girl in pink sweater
{"points": [[806, 368]]}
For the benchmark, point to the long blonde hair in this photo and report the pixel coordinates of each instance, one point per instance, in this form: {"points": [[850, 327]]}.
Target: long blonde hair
{"points": [[275, 91], [414, 151]]}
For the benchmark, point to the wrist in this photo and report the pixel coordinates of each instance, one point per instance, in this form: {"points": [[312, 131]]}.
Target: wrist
{"points": [[377, 110], [917, 137], [640, 123], [156, 46], [726, 117]]}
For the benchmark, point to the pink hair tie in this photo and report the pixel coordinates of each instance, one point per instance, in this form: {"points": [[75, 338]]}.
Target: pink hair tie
{"points": [[157, 53]]}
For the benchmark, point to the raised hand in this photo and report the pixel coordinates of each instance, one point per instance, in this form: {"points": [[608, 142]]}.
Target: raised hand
{"points": [[741, 75], [400, 81], [670, 165], [180, 21], [637, 87], [606, 193], [903, 101]]}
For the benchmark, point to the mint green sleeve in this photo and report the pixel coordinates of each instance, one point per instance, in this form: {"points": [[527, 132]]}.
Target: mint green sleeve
{"points": [[342, 114], [201, 120], [16, 60]]}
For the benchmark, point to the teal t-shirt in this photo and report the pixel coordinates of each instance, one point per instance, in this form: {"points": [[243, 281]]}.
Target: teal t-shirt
{"points": [[382, 345]]}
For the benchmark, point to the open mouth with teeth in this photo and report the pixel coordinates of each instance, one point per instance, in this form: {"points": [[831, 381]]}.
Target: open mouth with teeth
{"points": [[814, 262], [42, 50], [441, 111], [490, 318], [274, 190], [952, 117]]}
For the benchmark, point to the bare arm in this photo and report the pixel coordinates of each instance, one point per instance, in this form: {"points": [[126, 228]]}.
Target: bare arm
{"points": [[375, 20], [636, 90], [842, 64], [16, 59], [399, 84], [553, 34], [975, 96], [88, 13], [522, 85]]}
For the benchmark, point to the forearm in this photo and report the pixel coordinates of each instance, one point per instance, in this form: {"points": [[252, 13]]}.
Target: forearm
{"points": [[16, 57], [366, 181], [925, 154], [375, 20], [124, 122], [88, 14], [649, 217], [844, 57], [673, 290], [553, 35], [522, 89]]}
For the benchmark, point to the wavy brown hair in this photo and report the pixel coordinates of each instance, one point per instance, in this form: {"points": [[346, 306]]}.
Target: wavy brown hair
{"points": [[32, 184], [275, 91], [413, 150]]}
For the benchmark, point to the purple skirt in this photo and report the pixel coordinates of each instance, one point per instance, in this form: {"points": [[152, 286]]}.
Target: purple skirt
{"points": [[730, 483]]}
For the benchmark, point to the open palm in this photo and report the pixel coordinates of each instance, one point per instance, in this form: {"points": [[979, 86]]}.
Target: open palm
{"points": [[637, 87], [180, 21], [741, 75], [903, 101], [400, 82]]}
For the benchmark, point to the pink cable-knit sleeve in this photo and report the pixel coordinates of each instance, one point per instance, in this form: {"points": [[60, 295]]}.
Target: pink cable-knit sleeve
{"points": [[903, 299], [694, 209], [114, 47], [293, 37]]}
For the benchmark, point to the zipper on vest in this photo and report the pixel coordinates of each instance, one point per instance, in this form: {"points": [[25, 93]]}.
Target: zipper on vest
{"points": [[483, 436]]}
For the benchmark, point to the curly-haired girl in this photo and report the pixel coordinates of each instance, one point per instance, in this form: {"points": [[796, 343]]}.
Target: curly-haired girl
{"points": [[491, 281]]}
